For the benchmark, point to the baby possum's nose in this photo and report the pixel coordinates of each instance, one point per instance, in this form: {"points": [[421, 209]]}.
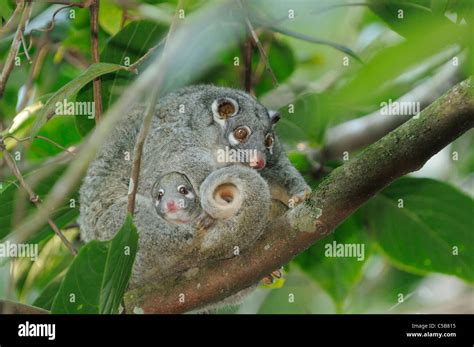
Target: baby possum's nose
{"points": [[171, 206]]}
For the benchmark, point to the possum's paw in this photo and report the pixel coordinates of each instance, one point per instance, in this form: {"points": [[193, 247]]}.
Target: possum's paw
{"points": [[300, 197], [204, 222], [271, 278]]}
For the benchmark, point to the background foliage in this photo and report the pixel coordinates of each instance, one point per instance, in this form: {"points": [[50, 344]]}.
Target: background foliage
{"points": [[333, 63]]}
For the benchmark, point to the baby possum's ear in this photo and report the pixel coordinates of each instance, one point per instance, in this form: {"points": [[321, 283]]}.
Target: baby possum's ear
{"points": [[223, 109], [274, 116]]}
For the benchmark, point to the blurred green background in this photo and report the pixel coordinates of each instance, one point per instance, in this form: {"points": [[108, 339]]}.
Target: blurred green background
{"points": [[334, 62]]}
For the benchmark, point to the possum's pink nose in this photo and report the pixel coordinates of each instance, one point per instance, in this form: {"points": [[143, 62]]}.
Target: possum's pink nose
{"points": [[170, 206], [258, 164]]}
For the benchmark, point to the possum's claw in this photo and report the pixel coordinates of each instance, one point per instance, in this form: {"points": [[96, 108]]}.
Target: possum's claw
{"points": [[204, 222], [270, 279], [300, 197]]}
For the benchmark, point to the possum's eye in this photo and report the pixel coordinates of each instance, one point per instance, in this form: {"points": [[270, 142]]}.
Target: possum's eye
{"points": [[161, 192], [240, 134], [182, 190], [185, 191], [269, 140], [223, 109]]}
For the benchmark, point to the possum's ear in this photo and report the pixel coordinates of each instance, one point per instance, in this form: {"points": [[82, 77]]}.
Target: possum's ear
{"points": [[274, 116], [223, 109]]}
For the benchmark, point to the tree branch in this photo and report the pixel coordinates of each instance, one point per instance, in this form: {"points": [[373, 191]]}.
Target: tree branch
{"points": [[404, 150], [10, 307], [363, 131]]}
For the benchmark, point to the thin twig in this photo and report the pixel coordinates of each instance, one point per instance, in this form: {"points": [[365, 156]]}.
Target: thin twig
{"points": [[61, 158], [247, 51], [49, 28], [13, 19], [94, 23], [133, 67], [76, 58], [262, 52], [41, 138], [141, 137], [315, 11], [124, 18], [259, 45], [37, 62], [260, 68], [26, 48], [65, 2], [10, 60], [52, 23], [34, 198], [318, 41]]}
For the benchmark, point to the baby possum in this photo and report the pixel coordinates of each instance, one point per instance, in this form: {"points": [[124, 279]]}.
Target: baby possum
{"points": [[174, 199]]}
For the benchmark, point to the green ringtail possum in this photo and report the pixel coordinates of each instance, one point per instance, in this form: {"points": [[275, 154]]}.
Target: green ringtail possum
{"points": [[192, 131]]}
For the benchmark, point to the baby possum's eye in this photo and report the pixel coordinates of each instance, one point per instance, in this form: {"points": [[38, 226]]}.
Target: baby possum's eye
{"points": [[269, 140], [240, 134], [161, 192], [185, 191]]}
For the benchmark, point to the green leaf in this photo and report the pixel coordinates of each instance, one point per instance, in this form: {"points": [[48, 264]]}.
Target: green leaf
{"points": [[8, 200], [59, 129], [46, 298], [125, 48], [423, 225], [6, 11], [98, 276], [110, 16], [304, 120], [401, 15], [300, 161], [337, 273], [52, 260], [70, 89], [280, 57], [365, 86]]}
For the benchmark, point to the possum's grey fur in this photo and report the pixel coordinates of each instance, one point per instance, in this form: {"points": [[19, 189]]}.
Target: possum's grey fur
{"points": [[183, 137]]}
